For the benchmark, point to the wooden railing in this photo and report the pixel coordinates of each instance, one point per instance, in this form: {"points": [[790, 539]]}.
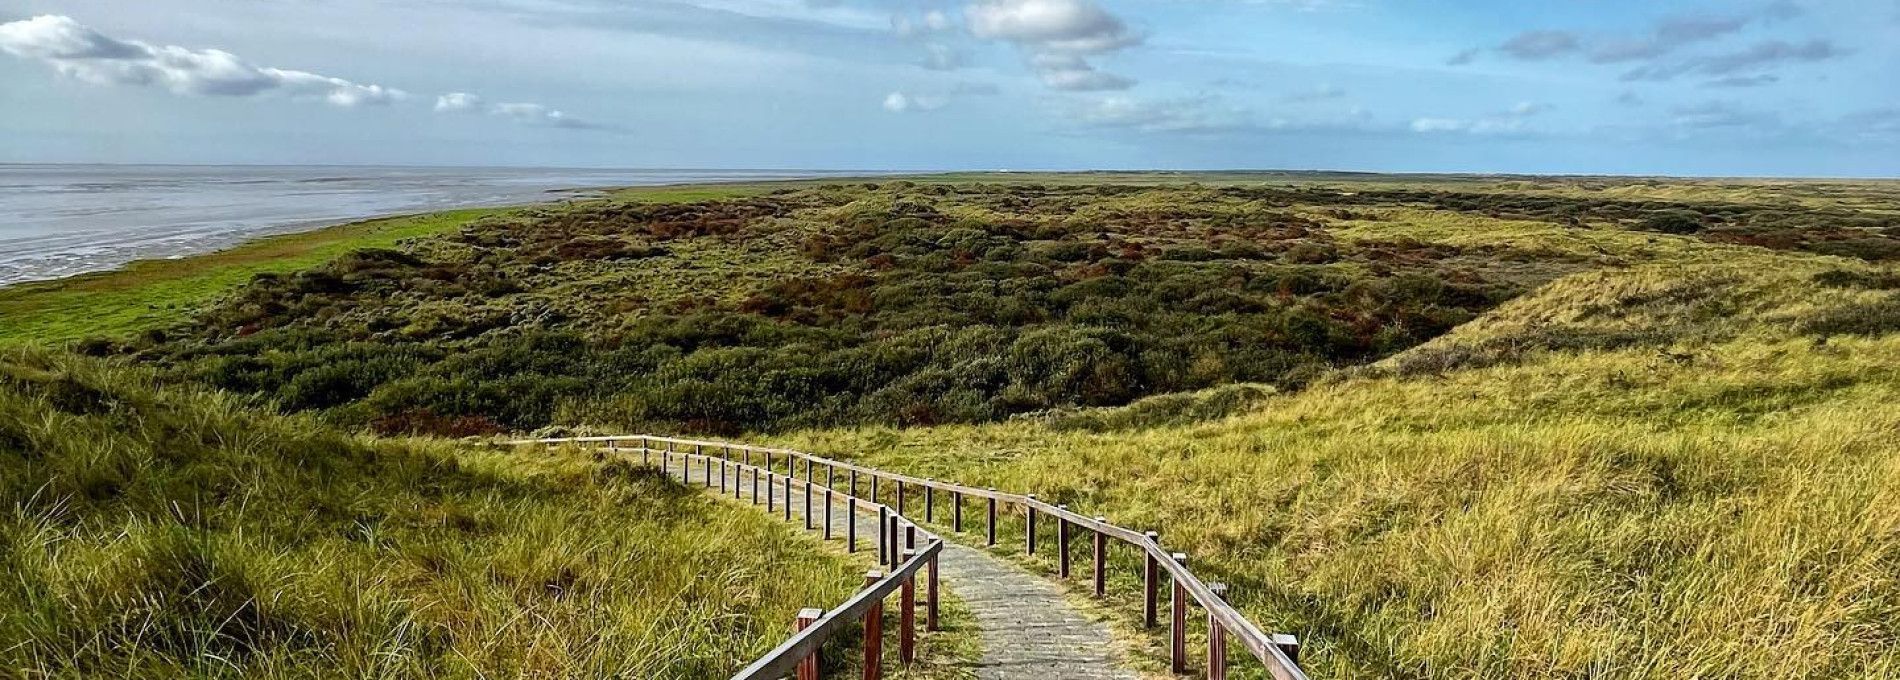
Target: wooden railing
{"points": [[1277, 653]]}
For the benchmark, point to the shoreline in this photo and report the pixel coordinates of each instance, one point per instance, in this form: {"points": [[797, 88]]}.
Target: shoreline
{"points": [[147, 293]]}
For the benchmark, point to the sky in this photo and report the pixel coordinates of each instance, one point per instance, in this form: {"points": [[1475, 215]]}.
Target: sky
{"points": [[1732, 88]]}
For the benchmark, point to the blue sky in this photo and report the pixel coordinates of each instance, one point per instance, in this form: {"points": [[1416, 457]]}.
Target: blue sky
{"points": [[1777, 87]]}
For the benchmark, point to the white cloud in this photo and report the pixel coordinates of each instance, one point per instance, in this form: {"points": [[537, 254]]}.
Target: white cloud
{"points": [[1050, 25], [903, 102], [1511, 121], [1059, 36], [522, 112], [79, 52], [1070, 72], [458, 101]]}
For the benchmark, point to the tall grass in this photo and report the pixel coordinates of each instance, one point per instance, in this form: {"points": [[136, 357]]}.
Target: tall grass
{"points": [[160, 532], [1665, 471]]}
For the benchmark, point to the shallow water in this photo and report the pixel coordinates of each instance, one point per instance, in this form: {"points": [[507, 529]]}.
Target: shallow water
{"points": [[60, 220]]}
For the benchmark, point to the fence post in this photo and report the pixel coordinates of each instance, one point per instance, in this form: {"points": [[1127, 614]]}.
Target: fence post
{"points": [[1289, 645], [895, 551], [1177, 650], [1101, 559], [851, 523], [827, 513], [1150, 581], [930, 501], [910, 536], [930, 608], [708, 463], [1032, 523], [808, 668], [1216, 638], [874, 631], [808, 517], [883, 543], [874, 488], [1062, 543], [725, 468], [992, 513], [771, 499], [755, 486], [788, 497], [907, 616], [831, 476], [854, 483], [956, 511]]}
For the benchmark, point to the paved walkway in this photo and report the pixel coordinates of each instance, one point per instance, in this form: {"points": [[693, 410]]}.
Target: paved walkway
{"points": [[1029, 630]]}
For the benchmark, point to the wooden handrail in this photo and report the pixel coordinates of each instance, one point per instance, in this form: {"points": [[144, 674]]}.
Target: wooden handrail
{"points": [[783, 659], [1268, 649]]}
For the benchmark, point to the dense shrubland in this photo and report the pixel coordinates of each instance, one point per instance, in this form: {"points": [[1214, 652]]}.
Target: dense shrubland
{"points": [[894, 304]]}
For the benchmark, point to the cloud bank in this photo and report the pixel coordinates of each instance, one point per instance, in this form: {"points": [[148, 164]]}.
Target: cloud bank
{"points": [[77, 51]]}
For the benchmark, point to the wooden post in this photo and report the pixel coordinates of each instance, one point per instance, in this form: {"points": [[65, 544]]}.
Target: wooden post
{"points": [[808, 668], [894, 537], [708, 463], [907, 616], [827, 513], [1150, 582], [808, 517], [1216, 639], [854, 484], [851, 523], [883, 543], [748, 456], [788, 497], [1101, 559], [724, 469], [956, 511], [1032, 524], [930, 608], [831, 476], [874, 632], [1062, 544], [1289, 645], [930, 502], [771, 499], [1177, 650], [874, 488], [910, 536], [992, 513], [755, 486]]}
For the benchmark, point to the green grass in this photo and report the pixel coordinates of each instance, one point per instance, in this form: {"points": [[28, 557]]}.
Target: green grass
{"points": [[150, 531], [1649, 472]]}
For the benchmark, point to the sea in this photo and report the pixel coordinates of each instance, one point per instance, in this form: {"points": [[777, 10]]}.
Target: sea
{"points": [[61, 220]]}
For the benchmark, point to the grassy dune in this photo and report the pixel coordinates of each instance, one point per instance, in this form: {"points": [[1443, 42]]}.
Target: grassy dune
{"points": [[1679, 468], [160, 532]]}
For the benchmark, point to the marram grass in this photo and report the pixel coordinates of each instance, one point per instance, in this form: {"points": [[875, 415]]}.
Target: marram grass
{"points": [[151, 532], [1662, 471]]}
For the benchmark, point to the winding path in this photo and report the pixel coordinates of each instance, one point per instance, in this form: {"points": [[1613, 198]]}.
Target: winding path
{"points": [[1028, 628]]}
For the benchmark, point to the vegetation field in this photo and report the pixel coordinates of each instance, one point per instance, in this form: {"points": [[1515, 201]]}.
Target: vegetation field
{"points": [[152, 531], [1437, 426]]}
